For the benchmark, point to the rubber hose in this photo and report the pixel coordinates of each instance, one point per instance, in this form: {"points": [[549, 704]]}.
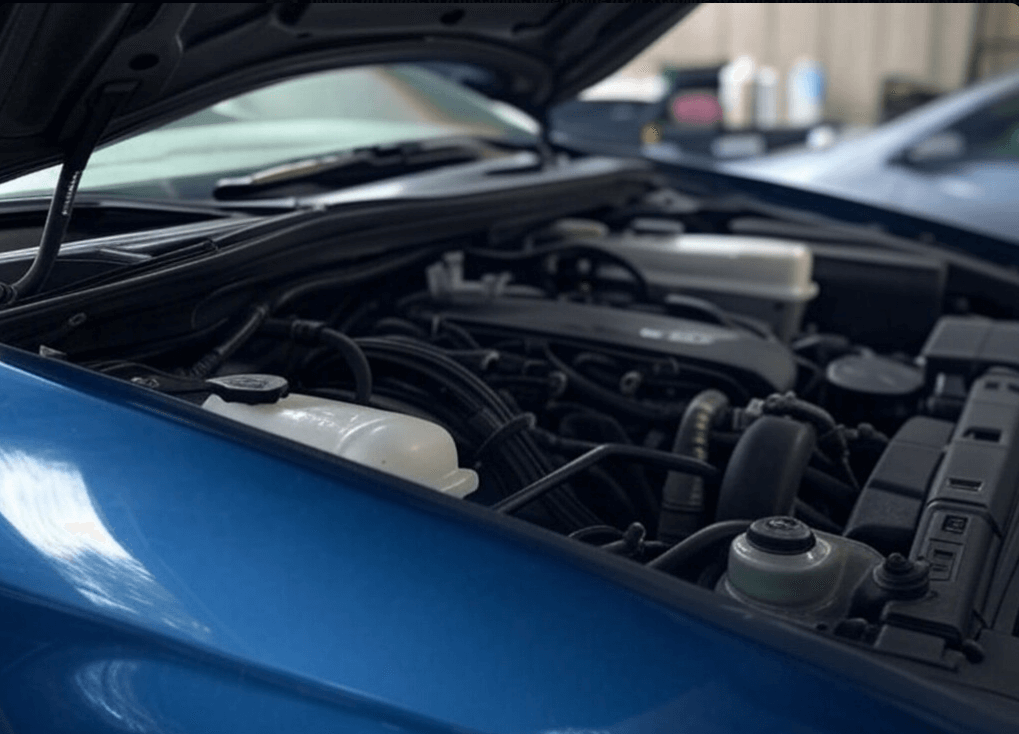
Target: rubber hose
{"points": [[766, 468], [682, 508], [705, 539]]}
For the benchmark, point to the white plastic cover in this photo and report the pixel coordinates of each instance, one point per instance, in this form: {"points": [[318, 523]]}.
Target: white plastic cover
{"points": [[759, 267]]}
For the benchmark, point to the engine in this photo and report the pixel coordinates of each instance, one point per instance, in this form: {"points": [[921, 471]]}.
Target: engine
{"points": [[692, 402]]}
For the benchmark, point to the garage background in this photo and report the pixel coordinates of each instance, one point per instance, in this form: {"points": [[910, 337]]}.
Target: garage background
{"points": [[865, 48]]}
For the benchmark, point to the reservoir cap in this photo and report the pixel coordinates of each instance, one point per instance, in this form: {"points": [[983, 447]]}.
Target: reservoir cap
{"points": [[782, 535]]}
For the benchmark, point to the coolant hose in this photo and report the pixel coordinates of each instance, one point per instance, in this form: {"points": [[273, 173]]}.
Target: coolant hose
{"points": [[683, 494]]}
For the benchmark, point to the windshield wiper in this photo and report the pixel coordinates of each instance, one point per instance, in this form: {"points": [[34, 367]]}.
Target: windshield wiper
{"points": [[348, 168]]}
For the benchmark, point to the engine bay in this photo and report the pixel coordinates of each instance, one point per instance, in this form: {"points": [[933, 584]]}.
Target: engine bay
{"points": [[799, 426]]}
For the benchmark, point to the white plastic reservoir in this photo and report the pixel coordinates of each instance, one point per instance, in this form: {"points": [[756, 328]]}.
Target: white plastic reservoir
{"points": [[767, 278], [401, 445]]}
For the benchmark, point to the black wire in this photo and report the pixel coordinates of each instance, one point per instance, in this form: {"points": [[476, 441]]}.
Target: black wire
{"points": [[428, 360], [480, 360], [356, 361], [302, 331], [602, 428], [617, 402], [815, 518], [610, 497], [570, 248], [392, 324], [352, 275], [214, 359], [522, 422], [458, 334], [347, 326], [481, 405], [585, 535], [659, 458], [816, 375], [703, 540]]}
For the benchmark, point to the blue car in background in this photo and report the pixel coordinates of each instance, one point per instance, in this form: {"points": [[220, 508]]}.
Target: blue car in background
{"points": [[341, 397], [954, 160]]}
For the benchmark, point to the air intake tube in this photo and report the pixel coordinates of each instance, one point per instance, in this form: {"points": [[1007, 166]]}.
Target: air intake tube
{"points": [[682, 512], [766, 469]]}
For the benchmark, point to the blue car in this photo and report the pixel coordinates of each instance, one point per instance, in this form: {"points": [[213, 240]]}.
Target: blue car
{"points": [[954, 160], [341, 398]]}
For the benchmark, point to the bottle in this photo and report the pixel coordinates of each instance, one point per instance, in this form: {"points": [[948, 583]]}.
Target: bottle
{"points": [[735, 92], [766, 98], [806, 91]]}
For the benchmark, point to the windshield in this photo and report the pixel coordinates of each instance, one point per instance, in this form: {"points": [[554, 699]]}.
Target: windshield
{"points": [[298, 118]]}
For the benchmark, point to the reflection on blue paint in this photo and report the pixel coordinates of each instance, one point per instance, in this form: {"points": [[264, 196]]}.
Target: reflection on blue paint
{"points": [[49, 505], [108, 688]]}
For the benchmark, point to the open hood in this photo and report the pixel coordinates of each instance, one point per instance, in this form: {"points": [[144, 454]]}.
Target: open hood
{"points": [[105, 70]]}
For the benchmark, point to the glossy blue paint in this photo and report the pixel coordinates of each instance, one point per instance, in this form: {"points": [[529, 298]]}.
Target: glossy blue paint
{"points": [[164, 571]]}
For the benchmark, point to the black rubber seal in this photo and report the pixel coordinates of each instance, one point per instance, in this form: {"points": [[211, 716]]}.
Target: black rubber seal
{"points": [[781, 535]]}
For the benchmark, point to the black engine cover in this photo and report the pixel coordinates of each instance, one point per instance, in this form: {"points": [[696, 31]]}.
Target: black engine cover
{"points": [[761, 366]]}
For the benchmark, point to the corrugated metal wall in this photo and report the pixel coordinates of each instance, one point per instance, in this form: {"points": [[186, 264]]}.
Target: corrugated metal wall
{"points": [[859, 44]]}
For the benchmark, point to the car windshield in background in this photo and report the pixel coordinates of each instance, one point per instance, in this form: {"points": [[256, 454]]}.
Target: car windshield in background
{"points": [[298, 118]]}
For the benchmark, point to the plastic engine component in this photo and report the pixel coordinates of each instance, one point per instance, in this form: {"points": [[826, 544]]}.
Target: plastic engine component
{"points": [[765, 470], [401, 445], [904, 296], [762, 366], [969, 511], [888, 509], [871, 388], [781, 565], [969, 346], [761, 277]]}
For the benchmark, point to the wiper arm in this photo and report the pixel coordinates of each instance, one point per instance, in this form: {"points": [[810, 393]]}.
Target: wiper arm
{"points": [[361, 165]]}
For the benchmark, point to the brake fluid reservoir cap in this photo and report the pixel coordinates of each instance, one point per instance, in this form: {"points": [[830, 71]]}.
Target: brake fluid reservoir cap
{"points": [[779, 561], [782, 535]]}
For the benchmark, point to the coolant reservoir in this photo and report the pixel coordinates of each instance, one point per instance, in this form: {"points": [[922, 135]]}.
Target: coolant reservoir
{"points": [[401, 445], [781, 565]]}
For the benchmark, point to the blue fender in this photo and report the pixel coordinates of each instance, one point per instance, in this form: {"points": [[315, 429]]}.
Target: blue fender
{"points": [[164, 570]]}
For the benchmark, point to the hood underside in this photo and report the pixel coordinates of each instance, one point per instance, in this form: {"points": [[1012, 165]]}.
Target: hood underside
{"points": [[166, 60]]}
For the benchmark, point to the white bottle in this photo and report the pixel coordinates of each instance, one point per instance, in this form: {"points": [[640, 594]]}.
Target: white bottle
{"points": [[401, 445], [735, 92], [766, 98], [805, 93]]}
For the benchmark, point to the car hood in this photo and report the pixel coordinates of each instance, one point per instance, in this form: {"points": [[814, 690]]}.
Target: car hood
{"points": [[165, 60]]}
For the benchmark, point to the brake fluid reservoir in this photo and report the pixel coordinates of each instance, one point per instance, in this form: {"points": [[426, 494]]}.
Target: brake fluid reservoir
{"points": [[781, 565], [401, 445], [780, 561]]}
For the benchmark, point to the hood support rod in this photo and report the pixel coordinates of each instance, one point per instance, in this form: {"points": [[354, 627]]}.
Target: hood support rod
{"points": [[108, 102]]}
